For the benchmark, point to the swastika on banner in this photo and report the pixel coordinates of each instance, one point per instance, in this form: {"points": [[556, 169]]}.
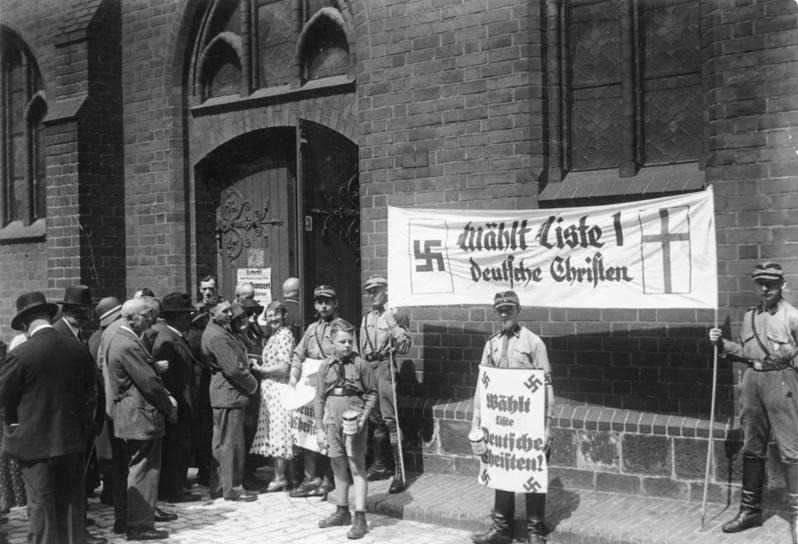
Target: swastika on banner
{"points": [[485, 381], [532, 485], [428, 256], [533, 383], [485, 477]]}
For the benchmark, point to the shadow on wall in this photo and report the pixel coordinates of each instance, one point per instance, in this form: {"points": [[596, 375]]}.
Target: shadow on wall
{"points": [[652, 367]]}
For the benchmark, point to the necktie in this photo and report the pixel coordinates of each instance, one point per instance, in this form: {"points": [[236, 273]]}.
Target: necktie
{"points": [[341, 374], [503, 360]]}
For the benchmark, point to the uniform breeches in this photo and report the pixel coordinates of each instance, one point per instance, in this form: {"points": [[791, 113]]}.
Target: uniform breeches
{"points": [[384, 413], [770, 402]]}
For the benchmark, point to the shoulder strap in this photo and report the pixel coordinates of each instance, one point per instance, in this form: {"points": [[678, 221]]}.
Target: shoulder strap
{"points": [[756, 336]]}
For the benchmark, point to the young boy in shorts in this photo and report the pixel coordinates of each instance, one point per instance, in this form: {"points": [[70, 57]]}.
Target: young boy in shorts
{"points": [[345, 382]]}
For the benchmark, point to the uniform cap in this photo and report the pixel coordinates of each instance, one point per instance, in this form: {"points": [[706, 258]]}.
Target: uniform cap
{"points": [[506, 298], [324, 291], [376, 281], [768, 272]]}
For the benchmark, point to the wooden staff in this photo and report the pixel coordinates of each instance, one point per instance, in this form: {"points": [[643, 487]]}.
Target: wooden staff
{"points": [[396, 414], [711, 424]]}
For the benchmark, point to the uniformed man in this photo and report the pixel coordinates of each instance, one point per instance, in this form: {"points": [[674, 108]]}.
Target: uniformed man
{"points": [[515, 346], [769, 391], [382, 331]]}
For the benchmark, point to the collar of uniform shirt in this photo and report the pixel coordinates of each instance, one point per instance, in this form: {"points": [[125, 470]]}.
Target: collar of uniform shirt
{"points": [[515, 331], [772, 310], [379, 310]]}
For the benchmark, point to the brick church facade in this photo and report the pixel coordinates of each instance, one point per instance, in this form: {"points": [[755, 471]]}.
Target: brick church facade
{"points": [[149, 143]]}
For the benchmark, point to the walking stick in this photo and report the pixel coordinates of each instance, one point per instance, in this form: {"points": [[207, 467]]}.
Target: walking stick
{"points": [[711, 424], [396, 415]]}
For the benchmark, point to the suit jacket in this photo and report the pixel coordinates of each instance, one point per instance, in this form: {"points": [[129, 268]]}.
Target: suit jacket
{"points": [[140, 401], [46, 386], [231, 382], [98, 400], [293, 318], [63, 327], [180, 379]]}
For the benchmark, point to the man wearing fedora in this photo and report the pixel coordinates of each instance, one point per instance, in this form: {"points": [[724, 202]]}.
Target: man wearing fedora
{"points": [[76, 309], [232, 384], [515, 346], [769, 392], [383, 333], [141, 404], [47, 385], [170, 345]]}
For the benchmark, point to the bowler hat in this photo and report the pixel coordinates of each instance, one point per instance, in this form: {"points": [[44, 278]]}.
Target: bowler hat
{"points": [[237, 310], [177, 302], [506, 298], [107, 310], [375, 281], [768, 272], [251, 306], [324, 291], [28, 302], [76, 295]]}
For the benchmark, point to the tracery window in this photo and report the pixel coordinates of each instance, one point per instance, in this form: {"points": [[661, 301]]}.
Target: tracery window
{"points": [[22, 153]]}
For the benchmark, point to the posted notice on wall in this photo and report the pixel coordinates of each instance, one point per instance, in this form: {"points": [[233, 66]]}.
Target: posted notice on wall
{"points": [[300, 400], [261, 280], [513, 409]]}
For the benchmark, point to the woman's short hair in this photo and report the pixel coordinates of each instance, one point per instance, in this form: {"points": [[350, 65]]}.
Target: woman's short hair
{"points": [[277, 306]]}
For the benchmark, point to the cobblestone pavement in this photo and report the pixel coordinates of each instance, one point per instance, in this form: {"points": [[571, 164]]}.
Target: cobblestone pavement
{"points": [[274, 518]]}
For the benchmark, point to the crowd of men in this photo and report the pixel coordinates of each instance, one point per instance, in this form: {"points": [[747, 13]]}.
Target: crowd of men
{"points": [[160, 386]]}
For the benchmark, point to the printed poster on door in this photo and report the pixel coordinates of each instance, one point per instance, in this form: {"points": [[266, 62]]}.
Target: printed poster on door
{"points": [[261, 280], [512, 411]]}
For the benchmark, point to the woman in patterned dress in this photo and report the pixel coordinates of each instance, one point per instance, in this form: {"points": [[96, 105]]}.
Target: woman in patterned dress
{"points": [[12, 487], [273, 437]]}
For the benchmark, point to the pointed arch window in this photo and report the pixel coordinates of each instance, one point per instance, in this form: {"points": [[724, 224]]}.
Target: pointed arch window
{"points": [[23, 107]]}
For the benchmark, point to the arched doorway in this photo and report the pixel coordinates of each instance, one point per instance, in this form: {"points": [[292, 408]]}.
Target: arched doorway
{"points": [[283, 202]]}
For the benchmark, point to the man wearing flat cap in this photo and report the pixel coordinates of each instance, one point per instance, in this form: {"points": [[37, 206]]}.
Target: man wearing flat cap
{"points": [[170, 345], [231, 386], [46, 384], [384, 332], [769, 392], [515, 346], [316, 343]]}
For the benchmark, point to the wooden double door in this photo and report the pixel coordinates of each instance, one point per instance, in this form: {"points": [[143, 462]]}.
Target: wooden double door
{"points": [[288, 206]]}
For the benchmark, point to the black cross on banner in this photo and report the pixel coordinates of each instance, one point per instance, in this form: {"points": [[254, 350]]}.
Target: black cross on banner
{"points": [[485, 476], [533, 383], [532, 485], [665, 238], [485, 380]]}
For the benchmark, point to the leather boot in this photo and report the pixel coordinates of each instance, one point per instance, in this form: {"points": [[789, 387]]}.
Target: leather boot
{"points": [[378, 469], [499, 533], [535, 514], [340, 517], [359, 527], [750, 514], [791, 475], [398, 483]]}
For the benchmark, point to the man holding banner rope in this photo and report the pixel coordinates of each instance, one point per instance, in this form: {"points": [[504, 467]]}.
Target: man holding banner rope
{"points": [[515, 346], [769, 390]]}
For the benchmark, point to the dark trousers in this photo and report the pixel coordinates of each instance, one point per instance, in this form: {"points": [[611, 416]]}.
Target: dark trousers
{"points": [[383, 416], [229, 452], [176, 458], [202, 430], [251, 413], [119, 462], [56, 498], [144, 470], [504, 504]]}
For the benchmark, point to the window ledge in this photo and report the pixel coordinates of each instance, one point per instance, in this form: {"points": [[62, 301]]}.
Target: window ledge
{"points": [[270, 95], [17, 232], [650, 182]]}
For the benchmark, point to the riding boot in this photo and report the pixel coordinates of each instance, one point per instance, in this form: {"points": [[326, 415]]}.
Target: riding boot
{"points": [[535, 514], [378, 469], [791, 473], [499, 533], [398, 483], [750, 514]]}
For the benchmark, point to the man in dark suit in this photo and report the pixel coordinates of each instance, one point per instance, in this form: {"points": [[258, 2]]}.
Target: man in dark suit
{"points": [[170, 345], [76, 309], [47, 386], [231, 385], [293, 316], [141, 403]]}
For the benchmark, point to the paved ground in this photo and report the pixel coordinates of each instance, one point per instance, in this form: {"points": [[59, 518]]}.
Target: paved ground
{"points": [[440, 509]]}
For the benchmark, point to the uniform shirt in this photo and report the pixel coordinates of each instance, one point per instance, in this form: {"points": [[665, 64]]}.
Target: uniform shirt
{"points": [[521, 348], [352, 373], [777, 329], [316, 343], [378, 328]]}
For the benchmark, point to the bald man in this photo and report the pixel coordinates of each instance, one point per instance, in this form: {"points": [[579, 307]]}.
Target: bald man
{"points": [[293, 316]]}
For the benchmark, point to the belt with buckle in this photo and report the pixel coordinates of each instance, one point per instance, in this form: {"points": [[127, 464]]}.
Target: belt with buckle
{"points": [[766, 366], [343, 392], [371, 357]]}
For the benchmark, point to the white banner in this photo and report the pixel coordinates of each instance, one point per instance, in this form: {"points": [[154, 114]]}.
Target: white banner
{"points": [[303, 424], [657, 253], [512, 410]]}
